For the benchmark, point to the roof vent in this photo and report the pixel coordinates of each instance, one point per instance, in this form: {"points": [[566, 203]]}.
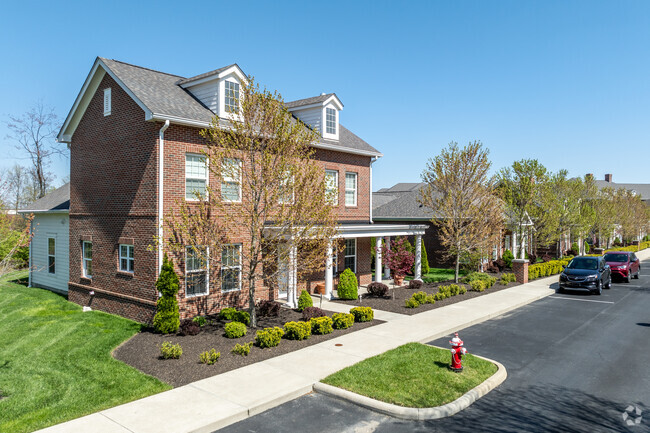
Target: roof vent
{"points": [[322, 94]]}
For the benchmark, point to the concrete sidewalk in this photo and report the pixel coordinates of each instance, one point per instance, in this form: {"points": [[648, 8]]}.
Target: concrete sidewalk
{"points": [[224, 399]]}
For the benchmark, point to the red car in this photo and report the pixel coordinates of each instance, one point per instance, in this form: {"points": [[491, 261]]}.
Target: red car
{"points": [[623, 264]]}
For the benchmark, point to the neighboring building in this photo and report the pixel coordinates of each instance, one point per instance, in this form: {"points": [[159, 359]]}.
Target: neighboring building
{"points": [[135, 151], [48, 247], [641, 189]]}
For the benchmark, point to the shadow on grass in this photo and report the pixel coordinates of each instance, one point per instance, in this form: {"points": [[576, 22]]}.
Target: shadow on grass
{"points": [[23, 281]]}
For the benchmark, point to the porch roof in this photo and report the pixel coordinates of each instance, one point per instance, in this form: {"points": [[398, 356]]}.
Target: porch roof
{"points": [[378, 230]]}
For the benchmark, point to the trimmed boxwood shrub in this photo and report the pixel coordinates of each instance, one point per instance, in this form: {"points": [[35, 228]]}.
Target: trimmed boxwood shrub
{"points": [[235, 330], [377, 289], [477, 285], [488, 281], [297, 330], [304, 300], [268, 337], [170, 351], [415, 284], [209, 357], [167, 318], [362, 314], [227, 313], [321, 325], [342, 320], [348, 286], [242, 349], [420, 297], [507, 278], [431, 299], [242, 317], [411, 303], [311, 312]]}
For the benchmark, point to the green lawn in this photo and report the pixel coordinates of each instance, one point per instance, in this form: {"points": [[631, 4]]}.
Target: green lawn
{"points": [[412, 375], [436, 275], [55, 361]]}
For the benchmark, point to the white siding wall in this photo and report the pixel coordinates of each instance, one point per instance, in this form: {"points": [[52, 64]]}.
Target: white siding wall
{"points": [[207, 93], [44, 226], [311, 116]]}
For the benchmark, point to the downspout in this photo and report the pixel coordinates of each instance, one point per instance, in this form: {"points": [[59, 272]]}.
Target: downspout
{"points": [[161, 189], [31, 237], [373, 159]]}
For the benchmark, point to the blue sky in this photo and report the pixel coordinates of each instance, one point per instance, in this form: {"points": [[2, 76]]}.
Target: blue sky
{"points": [[566, 82]]}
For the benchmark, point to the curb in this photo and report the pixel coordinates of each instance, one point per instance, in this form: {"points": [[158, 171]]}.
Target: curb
{"points": [[420, 414]]}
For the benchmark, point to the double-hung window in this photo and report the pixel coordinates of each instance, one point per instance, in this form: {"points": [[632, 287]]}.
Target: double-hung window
{"points": [[330, 120], [51, 255], [196, 176], [332, 185], [126, 258], [351, 254], [231, 179], [196, 271], [231, 100], [231, 268], [87, 259], [286, 189], [350, 189]]}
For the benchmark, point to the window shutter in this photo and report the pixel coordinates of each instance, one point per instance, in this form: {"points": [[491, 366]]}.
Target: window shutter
{"points": [[107, 101]]}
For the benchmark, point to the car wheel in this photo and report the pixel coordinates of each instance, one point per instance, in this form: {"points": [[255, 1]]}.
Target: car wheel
{"points": [[599, 288], [609, 283], [629, 277], [636, 276]]}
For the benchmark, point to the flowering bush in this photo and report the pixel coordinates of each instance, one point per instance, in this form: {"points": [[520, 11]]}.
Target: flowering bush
{"points": [[398, 256]]}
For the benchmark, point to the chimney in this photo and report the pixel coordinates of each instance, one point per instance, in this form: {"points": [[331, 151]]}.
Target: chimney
{"points": [[590, 175], [608, 178]]}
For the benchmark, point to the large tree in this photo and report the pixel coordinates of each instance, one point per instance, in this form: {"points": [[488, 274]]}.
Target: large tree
{"points": [[35, 133], [270, 196], [461, 196]]}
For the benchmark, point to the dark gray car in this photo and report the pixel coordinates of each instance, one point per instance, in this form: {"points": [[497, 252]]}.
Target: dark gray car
{"points": [[586, 274]]}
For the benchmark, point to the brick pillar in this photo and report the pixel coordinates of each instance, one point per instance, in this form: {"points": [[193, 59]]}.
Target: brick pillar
{"points": [[520, 268]]}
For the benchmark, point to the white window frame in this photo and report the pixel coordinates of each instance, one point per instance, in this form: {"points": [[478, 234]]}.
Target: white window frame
{"points": [[333, 187], [107, 101], [345, 252], [129, 258], [201, 270], [231, 180], [205, 178], [286, 182], [239, 266], [51, 256], [228, 108], [356, 188], [329, 110], [335, 262], [85, 261]]}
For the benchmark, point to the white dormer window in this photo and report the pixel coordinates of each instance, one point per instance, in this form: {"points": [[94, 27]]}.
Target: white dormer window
{"points": [[330, 121], [231, 97], [107, 101]]}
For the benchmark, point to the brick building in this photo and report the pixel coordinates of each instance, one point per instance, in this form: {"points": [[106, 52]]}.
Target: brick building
{"points": [[135, 151]]}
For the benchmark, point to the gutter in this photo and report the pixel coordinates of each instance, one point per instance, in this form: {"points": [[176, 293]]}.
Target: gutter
{"points": [[161, 178], [31, 237], [373, 159]]}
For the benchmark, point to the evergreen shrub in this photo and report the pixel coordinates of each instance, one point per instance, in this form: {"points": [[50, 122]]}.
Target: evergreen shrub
{"points": [[297, 330], [348, 285], [342, 320], [304, 300], [167, 318]]}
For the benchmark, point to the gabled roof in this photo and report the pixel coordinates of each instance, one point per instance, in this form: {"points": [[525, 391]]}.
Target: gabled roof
{"points": [[216, 72], [399, 202], [161, 98], [314, 100], [642, 189], [56, 201]]}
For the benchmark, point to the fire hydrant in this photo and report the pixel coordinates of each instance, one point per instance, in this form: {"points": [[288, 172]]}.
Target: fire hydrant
{"points": [[457, 352]]}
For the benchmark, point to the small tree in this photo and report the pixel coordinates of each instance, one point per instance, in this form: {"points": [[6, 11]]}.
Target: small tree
{"points": [[348, 287], [461, 196], [398, 256], [167, 318]]}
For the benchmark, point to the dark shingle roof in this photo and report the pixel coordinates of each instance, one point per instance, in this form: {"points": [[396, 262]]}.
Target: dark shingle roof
{"points": [[308, 101], [399, 202], [57, 200], [642, 189], [206, 74]]}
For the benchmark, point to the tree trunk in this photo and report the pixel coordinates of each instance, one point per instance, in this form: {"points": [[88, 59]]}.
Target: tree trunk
{"points": [[251, 300], [457, 266]]}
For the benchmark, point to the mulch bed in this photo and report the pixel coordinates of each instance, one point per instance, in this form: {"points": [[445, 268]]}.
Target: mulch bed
{"points": [[143, 350], [401, 294]]}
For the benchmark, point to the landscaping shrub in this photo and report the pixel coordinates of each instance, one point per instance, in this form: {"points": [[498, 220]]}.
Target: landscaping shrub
{"points": [[321, 325], [348, 286], [501, 264], [477, 285], [508, 257], [492, 268], [587, 248], [242, 349], [312, 312], [546, 269], [377, 289], [269, 337], [509, 278], [362, 314], [488, 280], [342, 320], [167, 318], [420, 297], [235, 330], [632, 248], [209, 357], [574, 251], [431, 299], [188, 327], [415, 284], [304, 300], [170, 351], [200, 320], [411, 303], [424, 269], [297, 330], [227, 313], [268, 309], [242, 317]]}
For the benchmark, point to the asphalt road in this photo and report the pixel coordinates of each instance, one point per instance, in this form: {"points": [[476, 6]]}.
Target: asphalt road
{"points": [[575, 363]]}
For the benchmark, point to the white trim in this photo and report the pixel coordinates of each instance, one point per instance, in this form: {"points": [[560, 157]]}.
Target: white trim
{"points": [[225, 179], [53, 237], [205, 179], [84, 271], [332, 99], [345, 255], [161, 192], [336, 178], [203, 269], [31, 239], [375, 230], [325, 133], [356, 189], [239, 266], [234, 69], [107, 101], [44, 211]]}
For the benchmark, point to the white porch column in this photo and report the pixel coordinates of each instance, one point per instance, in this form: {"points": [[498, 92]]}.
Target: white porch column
{"points": [[329, 272], [292, 289], [386, 268], [378, 271], [418, 257], [515, 250], [522, 253]]}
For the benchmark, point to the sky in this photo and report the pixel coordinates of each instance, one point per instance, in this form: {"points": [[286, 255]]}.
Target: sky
{"points": [[564, 82]]}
